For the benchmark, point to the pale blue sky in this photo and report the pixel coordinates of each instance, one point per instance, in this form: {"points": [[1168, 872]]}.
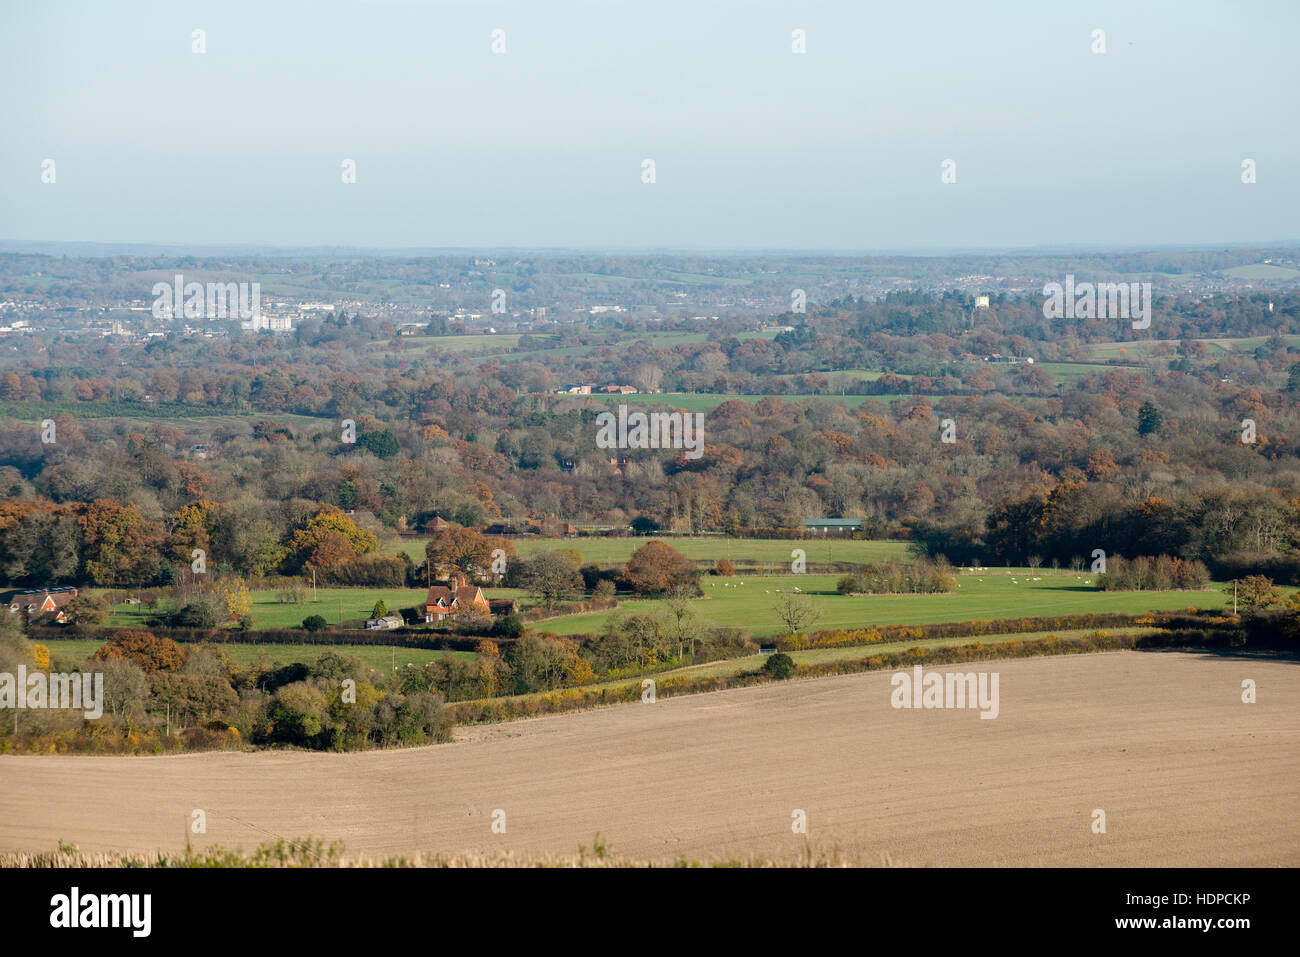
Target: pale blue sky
{"points": [[756, 147]]}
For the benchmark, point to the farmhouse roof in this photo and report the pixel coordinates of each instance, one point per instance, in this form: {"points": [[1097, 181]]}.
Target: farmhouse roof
{"points": [[444, 595]]}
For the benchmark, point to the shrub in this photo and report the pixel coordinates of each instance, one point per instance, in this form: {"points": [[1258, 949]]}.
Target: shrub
{"points": [[896, 578], [314, 623], [724, 568], [779, 666], [509, 626], [147, 650]]}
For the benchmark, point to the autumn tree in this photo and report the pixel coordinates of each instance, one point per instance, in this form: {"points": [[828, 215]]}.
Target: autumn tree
{"points": [[1255, 592], [144, 649], [654, 568], [192, 529], [330, 537], [232, 594], [119, 546], [455, 548]]}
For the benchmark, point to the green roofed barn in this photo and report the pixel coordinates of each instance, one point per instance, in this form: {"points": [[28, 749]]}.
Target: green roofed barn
{"points": [[832, 526]]}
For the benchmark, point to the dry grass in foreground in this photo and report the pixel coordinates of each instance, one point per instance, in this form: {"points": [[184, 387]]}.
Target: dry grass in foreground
{"points": [[311, 852]]}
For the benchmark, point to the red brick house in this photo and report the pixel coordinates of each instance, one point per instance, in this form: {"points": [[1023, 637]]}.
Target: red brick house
{"points": [[42, 605], [452, 598]]}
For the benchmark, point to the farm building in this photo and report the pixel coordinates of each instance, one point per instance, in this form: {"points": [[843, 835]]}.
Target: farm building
{"points": [[41, 605], [832, 526], [454, 597]]}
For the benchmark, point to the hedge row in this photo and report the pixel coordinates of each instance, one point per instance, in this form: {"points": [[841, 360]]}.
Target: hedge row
{"points": [[490, 710], [96, 738], [402, 637], [876, 634], [539, 613]]}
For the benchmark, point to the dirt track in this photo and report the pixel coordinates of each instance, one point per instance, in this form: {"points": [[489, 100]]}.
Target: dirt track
{"points": [[1186, 773]]}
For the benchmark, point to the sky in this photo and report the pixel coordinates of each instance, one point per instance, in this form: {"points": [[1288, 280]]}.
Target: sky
{"points": [[839, 148]]}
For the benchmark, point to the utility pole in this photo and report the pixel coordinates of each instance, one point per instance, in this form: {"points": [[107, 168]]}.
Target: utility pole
{"points": [[1234, 598], [313, 586]]}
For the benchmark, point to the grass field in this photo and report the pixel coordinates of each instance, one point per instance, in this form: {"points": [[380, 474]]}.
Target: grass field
{"points": [[1213, 347], [616, 551], [501, 343], [381, 657], [335, 605], [187, 418], [1263, 271], [1066, 371], [980, 597], [703, 401]]}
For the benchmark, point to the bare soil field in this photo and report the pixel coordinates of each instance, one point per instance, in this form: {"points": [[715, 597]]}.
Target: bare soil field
{"points": [[1186, 773]]}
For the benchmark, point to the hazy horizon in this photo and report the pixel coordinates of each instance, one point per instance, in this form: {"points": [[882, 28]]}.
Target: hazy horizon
{"points": [[757, 148]]}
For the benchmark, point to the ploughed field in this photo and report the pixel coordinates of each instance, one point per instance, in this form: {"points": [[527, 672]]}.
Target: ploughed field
{"points": [[1186, 773]]}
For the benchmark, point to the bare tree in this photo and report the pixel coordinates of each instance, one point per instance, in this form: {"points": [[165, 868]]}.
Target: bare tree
{"points": [[648, 377], [681, 622], [797, 612]]}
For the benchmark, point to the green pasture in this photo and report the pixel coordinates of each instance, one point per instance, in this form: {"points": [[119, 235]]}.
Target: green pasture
{"points": [[1144, 348], [1065, 371], [705, 401], [1263, 271], [332, 604], [985, 596]]}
